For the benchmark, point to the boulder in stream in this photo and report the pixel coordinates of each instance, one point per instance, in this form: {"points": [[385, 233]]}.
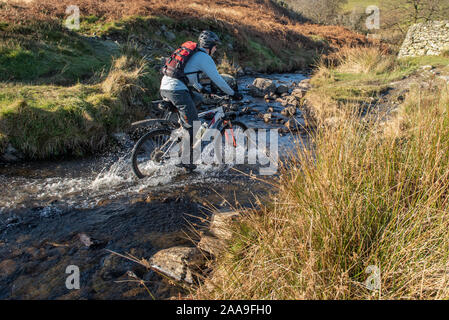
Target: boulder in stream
{"points": [[267, 117], [11, 154], [179, 263], [219, 232], [282, 89], [261, 87]]}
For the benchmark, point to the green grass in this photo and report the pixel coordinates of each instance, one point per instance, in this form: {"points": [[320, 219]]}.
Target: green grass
{"points": [[361, 75], [416, 62], [51, 54], [351, 4], [47, 120]]}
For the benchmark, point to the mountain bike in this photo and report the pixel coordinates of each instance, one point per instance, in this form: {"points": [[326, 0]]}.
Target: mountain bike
{"points": [[156, 148]]}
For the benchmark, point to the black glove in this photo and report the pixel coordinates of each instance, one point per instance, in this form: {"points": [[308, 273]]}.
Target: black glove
{"points": [[205, 91], [237, 96]]}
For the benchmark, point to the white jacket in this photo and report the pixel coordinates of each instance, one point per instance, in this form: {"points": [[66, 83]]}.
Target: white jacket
{"points": [[203, 62]]}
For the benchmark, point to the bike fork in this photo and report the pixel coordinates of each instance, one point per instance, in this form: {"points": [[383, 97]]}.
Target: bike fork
{"points": [[234, 143]]}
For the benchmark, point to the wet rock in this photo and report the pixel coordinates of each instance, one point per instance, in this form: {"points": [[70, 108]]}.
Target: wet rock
{"points": [[179, 263], [261, 87], [137, 200], [7, 267], [267, 117], [11, 154], [122, 139], [291, 125], [289, 111], [91, 242], [113, 267], [248, 110], [220, 224], [249, 71], [104, 202], [211, 245], [304, 83], [299, 93], [268, 98], [282, 89], [292, 101]]}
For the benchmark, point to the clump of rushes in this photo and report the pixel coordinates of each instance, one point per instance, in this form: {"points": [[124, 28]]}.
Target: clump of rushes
{"points": [[359, 199]]}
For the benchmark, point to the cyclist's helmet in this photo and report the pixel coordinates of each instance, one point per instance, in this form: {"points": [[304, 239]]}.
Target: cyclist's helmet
{"points": [[208, 40]]}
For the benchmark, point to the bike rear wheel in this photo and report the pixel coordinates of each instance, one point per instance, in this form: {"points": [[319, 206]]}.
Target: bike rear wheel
{"points": [[150, 153]]}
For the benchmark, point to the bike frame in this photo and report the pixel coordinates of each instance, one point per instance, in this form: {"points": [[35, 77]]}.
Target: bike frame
{"points": [[216, 121]]}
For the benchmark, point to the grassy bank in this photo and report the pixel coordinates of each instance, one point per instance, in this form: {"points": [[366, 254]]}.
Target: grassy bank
{"points": [[64, 94], [363, 197], [55, 84], [358, 78]]}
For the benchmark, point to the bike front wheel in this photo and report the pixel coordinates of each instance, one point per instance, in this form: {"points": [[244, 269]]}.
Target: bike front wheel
{"points": [[151, 152]]}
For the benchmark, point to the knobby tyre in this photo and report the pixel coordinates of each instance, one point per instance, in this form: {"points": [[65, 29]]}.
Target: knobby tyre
{"points": [[148, 152]]}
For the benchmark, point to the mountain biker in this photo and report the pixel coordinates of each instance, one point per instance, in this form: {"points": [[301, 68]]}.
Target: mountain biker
{"points": [[176, 90]]}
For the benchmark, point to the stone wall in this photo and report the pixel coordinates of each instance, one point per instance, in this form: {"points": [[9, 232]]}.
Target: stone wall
{"points": [[429, 38]]}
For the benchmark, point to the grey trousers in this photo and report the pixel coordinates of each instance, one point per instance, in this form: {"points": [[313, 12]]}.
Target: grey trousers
{"points": [[186, 103]]}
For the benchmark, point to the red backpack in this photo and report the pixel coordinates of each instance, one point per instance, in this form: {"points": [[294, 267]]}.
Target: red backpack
{"points": [[174, 66]]}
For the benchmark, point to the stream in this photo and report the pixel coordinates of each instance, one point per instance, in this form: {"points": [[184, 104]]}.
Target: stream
{"points": [[45, 206]]}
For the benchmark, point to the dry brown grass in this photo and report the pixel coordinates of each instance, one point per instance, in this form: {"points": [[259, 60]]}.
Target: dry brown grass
{"points": [[260, 18], [366, 60], [357, 200]]}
